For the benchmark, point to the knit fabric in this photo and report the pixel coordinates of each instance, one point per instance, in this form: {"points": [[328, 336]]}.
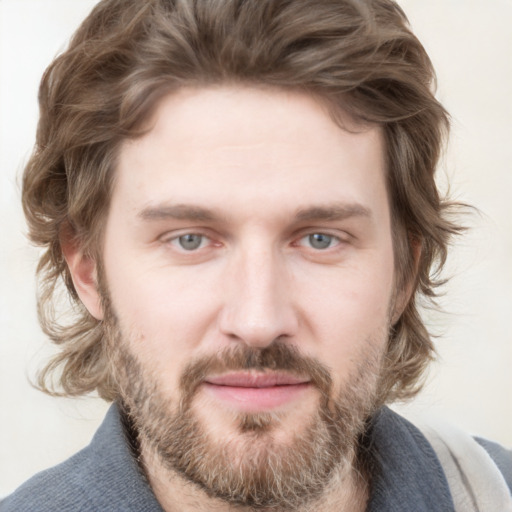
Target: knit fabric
{"points": [[406, 474]]}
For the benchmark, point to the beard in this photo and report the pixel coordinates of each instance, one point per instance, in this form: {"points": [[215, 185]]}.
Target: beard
{"points": [[253, 469]]}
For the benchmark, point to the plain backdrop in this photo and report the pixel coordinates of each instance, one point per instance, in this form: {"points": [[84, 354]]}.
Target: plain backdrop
{"points": [[470, 43]]}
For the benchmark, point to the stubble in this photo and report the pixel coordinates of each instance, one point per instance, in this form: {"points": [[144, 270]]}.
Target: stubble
{"points": [[255, 471]]}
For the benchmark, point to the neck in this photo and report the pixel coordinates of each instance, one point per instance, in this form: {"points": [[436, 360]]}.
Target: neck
{"points": [[348, 490]]}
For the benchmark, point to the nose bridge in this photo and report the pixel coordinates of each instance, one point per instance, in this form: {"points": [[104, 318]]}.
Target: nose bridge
{"points": [[258, 307]]}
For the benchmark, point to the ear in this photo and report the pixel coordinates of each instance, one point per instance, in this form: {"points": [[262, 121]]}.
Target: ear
{"points": [[404, 294], [83, 271]]}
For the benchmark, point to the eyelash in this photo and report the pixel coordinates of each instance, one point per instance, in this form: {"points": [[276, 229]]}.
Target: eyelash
{"points": [[332, 241], [176, 240], [331, 238]]}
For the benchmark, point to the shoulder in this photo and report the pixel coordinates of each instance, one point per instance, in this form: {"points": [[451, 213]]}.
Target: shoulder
{"points": [[64, 487], [478, 471], [501, 456], [406, 473], [430, 465], [103, 476]]}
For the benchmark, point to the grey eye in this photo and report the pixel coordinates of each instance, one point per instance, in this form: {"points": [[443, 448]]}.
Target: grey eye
{"points": [[320, 240], [190, 241]]}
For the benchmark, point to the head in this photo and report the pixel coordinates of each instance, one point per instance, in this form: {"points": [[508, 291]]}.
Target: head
{"points": [[138, 72]]}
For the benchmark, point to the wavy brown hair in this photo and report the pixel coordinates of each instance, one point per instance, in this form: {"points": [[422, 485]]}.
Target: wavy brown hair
{"points": [[358, 55]]}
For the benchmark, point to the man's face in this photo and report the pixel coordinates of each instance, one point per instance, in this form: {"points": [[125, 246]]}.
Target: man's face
{"points": [[249, 264]]}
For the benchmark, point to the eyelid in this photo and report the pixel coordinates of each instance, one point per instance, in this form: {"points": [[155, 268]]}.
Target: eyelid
{"points": [[336, 239], [211, 240], [203, 241], [171, 238], [341, 236], [172, 234]]}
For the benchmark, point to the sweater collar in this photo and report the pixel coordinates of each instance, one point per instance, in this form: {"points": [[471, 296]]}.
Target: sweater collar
{"points": [[406, 473]]}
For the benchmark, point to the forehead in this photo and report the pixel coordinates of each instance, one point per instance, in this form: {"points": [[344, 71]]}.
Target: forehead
{"points": [[232, 148]]}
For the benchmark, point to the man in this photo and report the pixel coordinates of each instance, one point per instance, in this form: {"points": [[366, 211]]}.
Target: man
{"points": [[239, 197]]}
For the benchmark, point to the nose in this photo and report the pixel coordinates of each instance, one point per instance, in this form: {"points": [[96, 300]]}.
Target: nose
{"points": [[258, 307]]}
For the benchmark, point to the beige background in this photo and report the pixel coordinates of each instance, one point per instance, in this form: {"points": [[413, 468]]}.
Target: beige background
{"points": [[470, 42]]}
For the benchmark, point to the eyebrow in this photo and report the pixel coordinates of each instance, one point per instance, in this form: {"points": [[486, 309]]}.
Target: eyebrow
{"points": [[333, 212], [177, 212], [329, 212]]}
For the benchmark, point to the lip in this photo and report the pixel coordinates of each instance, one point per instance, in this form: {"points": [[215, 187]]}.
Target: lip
{"points": [[255, 380], [256, 392]]}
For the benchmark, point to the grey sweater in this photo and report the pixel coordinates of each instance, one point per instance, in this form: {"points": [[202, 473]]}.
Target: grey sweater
{"points": [[406, 474]]}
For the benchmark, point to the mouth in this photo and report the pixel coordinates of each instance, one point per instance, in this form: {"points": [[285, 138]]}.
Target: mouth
{"points": [[256, 392]]}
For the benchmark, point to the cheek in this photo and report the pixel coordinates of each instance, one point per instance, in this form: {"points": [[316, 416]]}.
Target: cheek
{"points": [[348, 325], [349, 310], [169, 310]]}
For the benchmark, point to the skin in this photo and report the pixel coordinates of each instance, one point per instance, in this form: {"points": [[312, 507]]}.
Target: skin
{"points": [[254, 173]]}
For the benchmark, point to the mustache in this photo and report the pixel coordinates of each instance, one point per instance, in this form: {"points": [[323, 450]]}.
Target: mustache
{"points": [[278, 356]]}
